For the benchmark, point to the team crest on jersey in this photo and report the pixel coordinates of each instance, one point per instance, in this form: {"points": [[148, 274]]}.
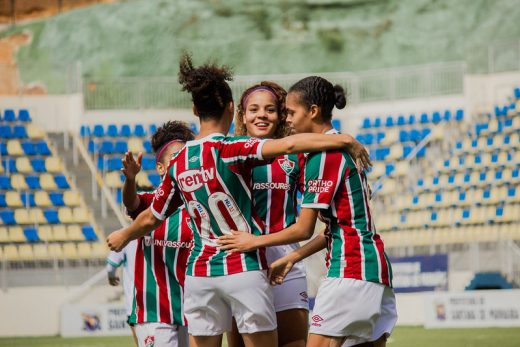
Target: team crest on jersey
{"points": [[149, 341], [286, 164]]}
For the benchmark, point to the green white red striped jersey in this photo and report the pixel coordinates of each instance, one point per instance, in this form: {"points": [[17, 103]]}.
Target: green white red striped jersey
{"points": [[160, 267], [334, 185], [212, 176], [275, 186]]}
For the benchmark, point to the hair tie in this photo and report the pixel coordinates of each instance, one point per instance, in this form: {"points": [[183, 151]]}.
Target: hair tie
{"points": [[163, 147]]}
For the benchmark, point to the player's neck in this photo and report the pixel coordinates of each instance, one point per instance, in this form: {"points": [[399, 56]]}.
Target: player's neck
{"points": [[211, 126], [322, 128]]}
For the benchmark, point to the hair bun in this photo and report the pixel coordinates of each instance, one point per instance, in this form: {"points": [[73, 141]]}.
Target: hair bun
{"points": [[340, 99]]}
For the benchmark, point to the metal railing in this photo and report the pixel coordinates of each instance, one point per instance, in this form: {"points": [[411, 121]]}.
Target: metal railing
{"points": [[369, 86]]}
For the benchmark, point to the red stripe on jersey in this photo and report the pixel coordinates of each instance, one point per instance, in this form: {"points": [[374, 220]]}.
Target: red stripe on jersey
{"points": [[139, 280], [200, 267], [160, 275], [277, 212]]}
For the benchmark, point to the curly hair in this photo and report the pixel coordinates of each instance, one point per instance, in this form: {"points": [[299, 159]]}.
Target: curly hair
{"points": [[169, 131], [315, 90], [208, 86], [282, 129]]}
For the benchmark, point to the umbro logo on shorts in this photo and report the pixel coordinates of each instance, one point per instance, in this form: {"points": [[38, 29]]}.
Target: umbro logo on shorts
{"points": [[316, 319], [149, 341], [305, 297]]}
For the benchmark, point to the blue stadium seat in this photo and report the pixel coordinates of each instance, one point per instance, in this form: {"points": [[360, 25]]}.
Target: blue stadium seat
{"points": [[494, 158], [458, 145], [51, 215], [369, 139], [148, 163], [139, 130], [508, 123], [415, 200], [121, 147], [389, 169], [125, 130], [106, 147], [515, 172], [411, 119], [466, 213], [195, 128], [420, 182], [27, 199], [7, 217], [425, 132], [435, 180], [232, 128], [89, 233], [43, 148], [3, 148], [56, 198], [407, 150], [377, 122], [100, 163], [490, 141], [360, 138], [33, 181], [380, 136], [498, 175], [119, 196], [447, 115], [499, 211], [478, 159], [424, 118], [336, 123], [436, 117], [401, 121], [9, 115], [155, 179], [9, 163], [467, 178], [451, 179], [61, 182], [31, 234], [29, 148], [92, 146], [438, 197], [404, 136], [389, 121], [415, 135], [433, 216], [511, 192], [3, 203], [152, 129], [38, 164], [24, 116], [517, 93], [112, 130], [99, 131], [114, 163], [5, 132], [459, 115], [19, 132], [5, 183], [84, 131], [147, 144], [366, 123]]}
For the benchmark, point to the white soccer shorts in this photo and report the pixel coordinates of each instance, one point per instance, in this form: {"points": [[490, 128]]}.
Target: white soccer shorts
{"points": [[291, 294], [361, 311], [161, 335], [211, 302]]}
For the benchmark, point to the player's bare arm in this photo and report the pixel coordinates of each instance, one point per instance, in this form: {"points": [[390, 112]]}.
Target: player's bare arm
{"points": [[303, 229], [302, 143], [144, 224]]}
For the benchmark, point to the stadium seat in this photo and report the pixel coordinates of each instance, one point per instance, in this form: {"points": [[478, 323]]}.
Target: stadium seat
{"points": [[31, 234], [51, 215], [42, 148], [19, 132], [39, 165], [70, 251], [112, 130], [21, 215], [125, 131], [53, 164], [121, 147], [47, 182], [29, 148], [84, 131], [89, 233], [18, 182], [3, 202], [23, 165], [152, 129], [55, 251], [389, 122], [4, 234], [113, 179], [11, 253], [9, 165], [98, 131], [65, 215], [80, 215], [71, 198], [135, 145], [155, 179], [59, 232], [41, 252], [45, 233], [84, 250], [61, 181], [14, 148], [13, 199], [139, 130], [9, 115], [16, 234], [5, 182], [56, 199], [24, 116], [106, 147], [74, 233], [27, 199], [99, 250]]}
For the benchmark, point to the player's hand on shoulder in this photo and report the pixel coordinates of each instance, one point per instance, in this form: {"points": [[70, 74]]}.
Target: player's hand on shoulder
{"points": [[131, 166], [116, 241], [360, 155], [237, 241]]}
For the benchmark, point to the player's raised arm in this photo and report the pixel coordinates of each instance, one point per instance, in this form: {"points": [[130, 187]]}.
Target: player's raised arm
{"points": [[310, 142]]}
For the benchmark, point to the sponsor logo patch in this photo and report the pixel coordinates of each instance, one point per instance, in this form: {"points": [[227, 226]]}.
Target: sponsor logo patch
{"points": [[192, 180], [319, 186]]}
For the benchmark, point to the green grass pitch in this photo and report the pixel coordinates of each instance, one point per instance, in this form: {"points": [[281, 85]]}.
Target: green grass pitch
{"points": [[402, 337]]}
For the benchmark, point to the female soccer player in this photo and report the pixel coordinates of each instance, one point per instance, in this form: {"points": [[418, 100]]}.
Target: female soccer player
{"points": [[261, 113], [212, 176], [355, 304], [161, 257]]}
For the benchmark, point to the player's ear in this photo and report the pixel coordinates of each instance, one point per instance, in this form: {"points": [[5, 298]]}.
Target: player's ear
{"points": [[160, 168], [314, 111]]}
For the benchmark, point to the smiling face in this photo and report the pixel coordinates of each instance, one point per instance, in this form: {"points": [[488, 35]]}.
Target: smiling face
{"points": [[299, 117], [261, 116]]}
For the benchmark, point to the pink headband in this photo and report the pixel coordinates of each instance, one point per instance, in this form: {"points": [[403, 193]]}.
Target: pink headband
{"points": [[257, 89], [161, 150]]}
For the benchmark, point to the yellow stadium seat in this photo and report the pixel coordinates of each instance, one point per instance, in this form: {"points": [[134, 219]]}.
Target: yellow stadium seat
{"points": [[493, 126], [396, 152], [80, 215], [135, 145], [14, 148], [391, 137], [55, 251], [25, 252], [113, 179], [377, 171], [23, 165], [35, 132], [41, 198], [59, 232], [70, 251], [142, 179], [402, 168], [466, 144], [21, 215], [1, 171], [45, 233], [74, 233], [84, 250], [65, 215], [516, 122], [18, 182], [71, 198], [13, 199], [53, 164], [37, 217], [11, 253], [47, 182], [41, 252], [99, 250], [4, 235], [16, 234]]}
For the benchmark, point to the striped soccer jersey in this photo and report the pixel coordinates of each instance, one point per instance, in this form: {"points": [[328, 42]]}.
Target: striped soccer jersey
{"points": [[212, 176], [160, 267], [333, 185], [274, 189]]}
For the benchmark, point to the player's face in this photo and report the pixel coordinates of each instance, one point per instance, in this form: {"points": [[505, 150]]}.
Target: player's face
{"points": [[164, 162], [261, 116], [298, 116]]}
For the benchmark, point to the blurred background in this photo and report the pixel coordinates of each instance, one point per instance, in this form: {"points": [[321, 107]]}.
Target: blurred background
{"points": [[433, 92]]}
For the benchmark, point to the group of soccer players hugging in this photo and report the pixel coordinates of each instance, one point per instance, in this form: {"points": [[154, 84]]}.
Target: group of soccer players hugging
{"points": [[217, 242]]}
